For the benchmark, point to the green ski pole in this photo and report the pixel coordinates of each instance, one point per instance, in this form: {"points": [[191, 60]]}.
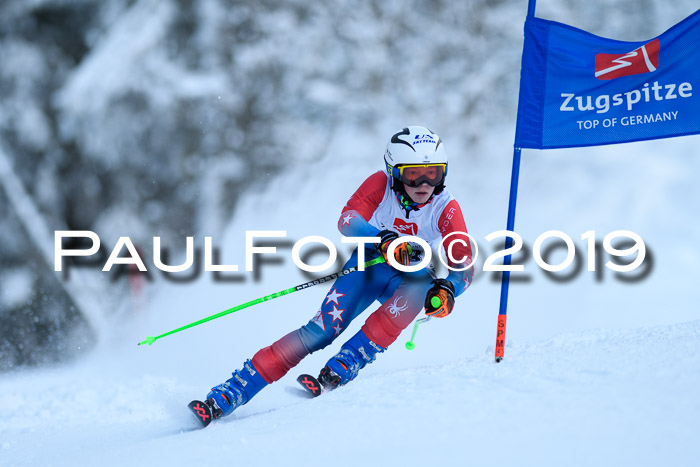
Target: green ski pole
{"points": [[151, 339], [410, 345]]}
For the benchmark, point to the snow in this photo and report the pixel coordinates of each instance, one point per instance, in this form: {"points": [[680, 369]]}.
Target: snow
{"points": [[16, 288], [41, 236], [602, 397]]}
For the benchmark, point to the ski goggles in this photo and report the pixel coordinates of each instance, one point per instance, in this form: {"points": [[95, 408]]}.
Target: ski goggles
{"points": [[416, 174]]}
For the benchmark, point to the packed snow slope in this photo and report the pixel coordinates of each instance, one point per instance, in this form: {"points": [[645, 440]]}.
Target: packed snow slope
{"points": [[603, 397]]}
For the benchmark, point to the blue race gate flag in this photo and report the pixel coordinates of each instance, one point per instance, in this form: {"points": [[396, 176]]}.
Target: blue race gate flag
{"points": [[577, 89]]}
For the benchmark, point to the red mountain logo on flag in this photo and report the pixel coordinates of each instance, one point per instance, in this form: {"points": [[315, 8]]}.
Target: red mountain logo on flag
{"points": [[641, 60], [405, 227]]}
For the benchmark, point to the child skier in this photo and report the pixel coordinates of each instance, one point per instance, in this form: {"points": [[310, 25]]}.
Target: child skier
{"points": [[409, 199]]}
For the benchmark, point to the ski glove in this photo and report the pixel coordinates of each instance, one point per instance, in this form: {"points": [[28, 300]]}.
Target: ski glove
{"points": [[445, 292], [402, 253]]}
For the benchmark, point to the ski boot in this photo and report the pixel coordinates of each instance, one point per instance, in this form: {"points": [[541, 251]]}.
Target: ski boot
{"points": [[343, 367], [236, 391]]}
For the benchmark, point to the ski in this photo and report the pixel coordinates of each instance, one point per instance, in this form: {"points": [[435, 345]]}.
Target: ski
{"points": [[310, 384], [202, 412]]}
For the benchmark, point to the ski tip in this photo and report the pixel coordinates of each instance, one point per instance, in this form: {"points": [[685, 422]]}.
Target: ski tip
{"points": [[201, 411], [149, 340], [310, 384]]}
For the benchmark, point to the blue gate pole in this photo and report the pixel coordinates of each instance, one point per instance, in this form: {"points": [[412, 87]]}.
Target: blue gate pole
{"points": [[505, 280], [531, 4]]}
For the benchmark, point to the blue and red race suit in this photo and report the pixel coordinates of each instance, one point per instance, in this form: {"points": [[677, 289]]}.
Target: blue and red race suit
{"points": [[374, 207]]}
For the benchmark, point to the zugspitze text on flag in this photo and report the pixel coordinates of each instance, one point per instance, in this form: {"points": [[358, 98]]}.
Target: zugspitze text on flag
{"points": [[577, 89]]}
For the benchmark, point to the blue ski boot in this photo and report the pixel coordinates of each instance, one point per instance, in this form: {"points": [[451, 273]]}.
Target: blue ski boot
{"points": [[236, 391], [354, 355]]}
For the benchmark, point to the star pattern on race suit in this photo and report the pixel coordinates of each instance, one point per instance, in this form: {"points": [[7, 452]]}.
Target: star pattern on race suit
{"points": [[333, 296], [318, 319], [336, 314], [346, 219], [337, 328]]}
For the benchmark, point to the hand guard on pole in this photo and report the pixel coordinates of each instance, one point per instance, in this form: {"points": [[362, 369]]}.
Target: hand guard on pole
{"points": [[402, 252], [440, 299]]}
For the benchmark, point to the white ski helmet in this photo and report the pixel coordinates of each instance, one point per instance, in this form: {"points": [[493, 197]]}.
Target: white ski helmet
{"points": [[415, 146]]}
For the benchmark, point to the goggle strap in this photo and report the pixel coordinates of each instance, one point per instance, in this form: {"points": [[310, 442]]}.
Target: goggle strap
{"points": [[395, 172]]}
